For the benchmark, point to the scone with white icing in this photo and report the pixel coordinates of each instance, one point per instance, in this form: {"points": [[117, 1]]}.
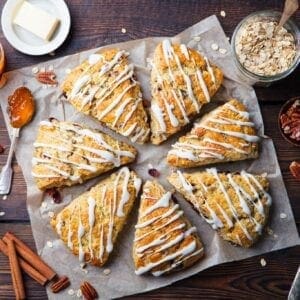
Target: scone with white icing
{"points": [[91, 223], [104, 87], [67, 153], [182, 81], [225, 134], [164, 239], [235, 204]]}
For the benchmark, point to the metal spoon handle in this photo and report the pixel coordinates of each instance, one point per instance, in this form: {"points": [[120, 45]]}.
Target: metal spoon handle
{"points": [[6, 172], [290, 7]]}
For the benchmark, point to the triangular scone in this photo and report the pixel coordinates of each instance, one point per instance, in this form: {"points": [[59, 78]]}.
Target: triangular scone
{"points": [[182, 81], [235, 204], [164, 239], [67, 153], [90, 224], [104, 86], [225, 134]]}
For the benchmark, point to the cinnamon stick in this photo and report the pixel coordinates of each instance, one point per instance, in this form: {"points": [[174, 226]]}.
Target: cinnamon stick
{"points": [[32, 258], [27, 268], [16, 273]]}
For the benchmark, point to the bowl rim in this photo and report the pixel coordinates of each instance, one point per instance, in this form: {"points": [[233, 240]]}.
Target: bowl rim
{"points": [[282, 110]]}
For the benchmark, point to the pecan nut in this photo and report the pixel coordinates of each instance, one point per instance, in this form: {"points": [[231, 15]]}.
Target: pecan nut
{"points": [[62, 283], [47, 77], [88, 291], [295, 169]]}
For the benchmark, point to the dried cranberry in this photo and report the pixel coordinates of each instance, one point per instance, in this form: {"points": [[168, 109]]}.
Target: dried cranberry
{"points": [[153, 172], [55, 195], [2, 149], [295, 169]]}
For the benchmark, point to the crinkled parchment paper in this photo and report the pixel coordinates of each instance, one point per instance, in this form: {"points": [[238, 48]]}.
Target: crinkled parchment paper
{"points": [[122, 279]]}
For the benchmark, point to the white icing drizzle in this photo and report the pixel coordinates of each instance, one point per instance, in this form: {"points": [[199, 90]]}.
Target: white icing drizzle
{"points": [[106, 155], [225, 145], [185, 51], [91, 210], [80, 234], [125, 194], [159, 116], [79, 83], [210, 70], [185, 183], [94, 58]]}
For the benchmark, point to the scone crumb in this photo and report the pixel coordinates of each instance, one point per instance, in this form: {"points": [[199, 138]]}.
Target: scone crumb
{"points": [[50, 214], [2, 213], [223, 13], [222, 51], [283, 216], [263, 262], [214, 46], [4, 197], [79, 293], [49, 244], [123, 30], [71, 292], [106, 271], [197, 38]]}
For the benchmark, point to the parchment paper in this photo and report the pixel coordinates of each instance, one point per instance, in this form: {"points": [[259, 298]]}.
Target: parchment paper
{"points": [[122, 279]]}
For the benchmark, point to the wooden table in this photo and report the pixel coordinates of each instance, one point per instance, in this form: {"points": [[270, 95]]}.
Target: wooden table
{"points": [[96, 23]]}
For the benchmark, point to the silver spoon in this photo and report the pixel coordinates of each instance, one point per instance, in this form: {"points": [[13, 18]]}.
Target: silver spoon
{"points": [[290, 7], [6, 172]]}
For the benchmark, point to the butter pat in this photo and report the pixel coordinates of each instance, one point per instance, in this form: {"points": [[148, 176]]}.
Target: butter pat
{"points": [[36, 20]]}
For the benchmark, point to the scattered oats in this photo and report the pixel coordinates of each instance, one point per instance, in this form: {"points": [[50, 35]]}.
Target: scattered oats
{"points": [[228, 38], [214, 46], [79, 293], [263, 262], [50, 68], [4, 197], [2, 213], [82, 265], [265, 174], [150, 166], [35, 70], [85, 271], [49, 244], [52, 53], [222, 51], [43, 69], [275, 236], [44, 204], [67, 71], [106, 271], [123, 30], [50, 214], [197, 38], [283, 216], [269, 231], [223, 13], [71, 292]]}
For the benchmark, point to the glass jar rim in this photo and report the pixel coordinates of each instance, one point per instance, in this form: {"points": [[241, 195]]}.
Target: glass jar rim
{"points": [[293, 29]]}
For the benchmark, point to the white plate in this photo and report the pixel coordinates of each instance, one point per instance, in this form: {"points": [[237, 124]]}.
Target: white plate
{"points": [[26, 42]]}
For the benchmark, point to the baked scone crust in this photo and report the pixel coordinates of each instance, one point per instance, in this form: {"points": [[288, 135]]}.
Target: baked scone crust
{"points": [[104, 87], [182, 81], [235, 204], [224, 134], [91, 223], [67, 153], [164, 241]]}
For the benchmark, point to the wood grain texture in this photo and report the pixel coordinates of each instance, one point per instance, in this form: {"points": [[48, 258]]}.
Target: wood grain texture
{"points": [[97, 23]]}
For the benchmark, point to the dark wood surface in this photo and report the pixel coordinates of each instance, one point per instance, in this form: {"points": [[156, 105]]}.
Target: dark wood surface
{"points": [[96, 23]]}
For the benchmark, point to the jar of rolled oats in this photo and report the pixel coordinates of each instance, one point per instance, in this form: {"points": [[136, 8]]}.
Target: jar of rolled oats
{"points": [[263, 52]]}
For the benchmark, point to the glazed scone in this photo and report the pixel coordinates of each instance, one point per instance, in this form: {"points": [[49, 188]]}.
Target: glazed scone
{"points": [[235, 204], [164, 239], [225, 134], [104, 87], [91, 223], [182, 81], [67, 153]]}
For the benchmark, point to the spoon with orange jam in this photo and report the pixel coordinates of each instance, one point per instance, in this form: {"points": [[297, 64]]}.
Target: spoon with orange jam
{"points": [[21, 107]]}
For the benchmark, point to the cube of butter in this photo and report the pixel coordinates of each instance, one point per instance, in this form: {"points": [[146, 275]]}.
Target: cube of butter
{"points": [[36, 20]]}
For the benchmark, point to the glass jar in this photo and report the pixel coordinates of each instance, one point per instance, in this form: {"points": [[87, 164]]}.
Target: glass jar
{"points": [[290, 26]]}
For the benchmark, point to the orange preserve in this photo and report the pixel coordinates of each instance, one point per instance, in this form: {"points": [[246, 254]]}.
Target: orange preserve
{"points": [[21, 107]]}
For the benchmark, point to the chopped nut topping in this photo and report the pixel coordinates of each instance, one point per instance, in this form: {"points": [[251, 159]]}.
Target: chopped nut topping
{"points": [[263, 49]]}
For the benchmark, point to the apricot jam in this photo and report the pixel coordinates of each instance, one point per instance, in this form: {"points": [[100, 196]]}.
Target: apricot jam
{"points": [[21, 107]]}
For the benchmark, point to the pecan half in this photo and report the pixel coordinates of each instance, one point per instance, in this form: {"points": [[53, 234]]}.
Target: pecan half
{"points": [[47, 77], [295, 169], [88, 291], [62, 283]]}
